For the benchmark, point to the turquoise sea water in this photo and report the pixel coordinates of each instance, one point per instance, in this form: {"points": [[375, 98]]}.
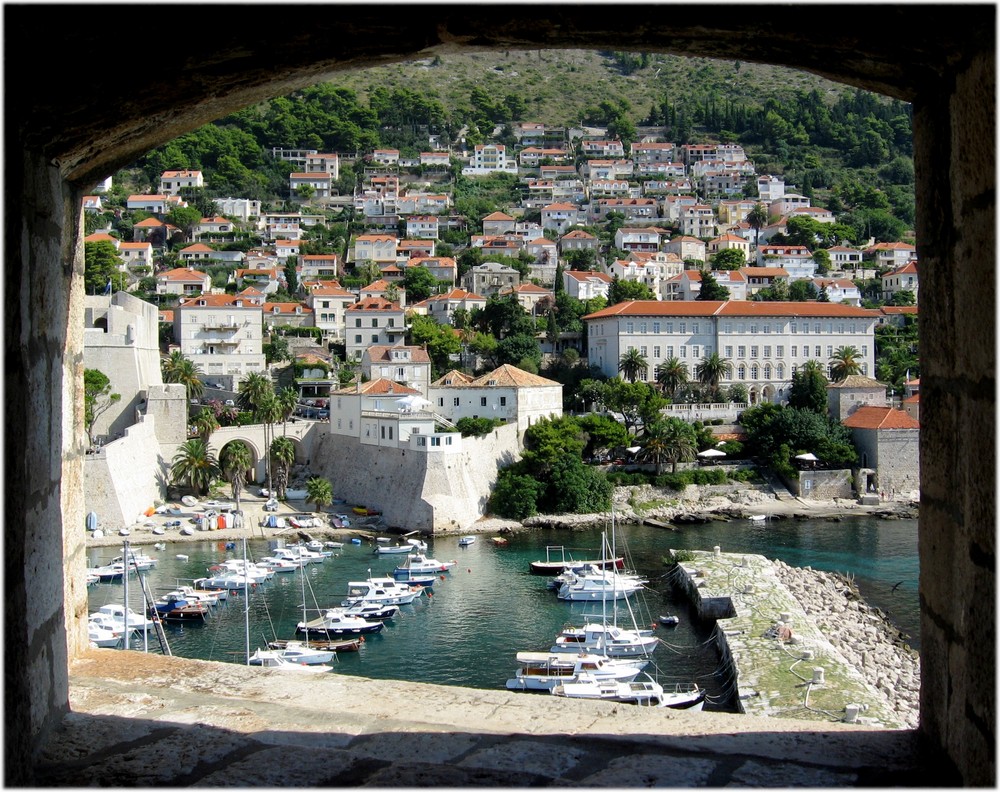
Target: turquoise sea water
{"points": [[489, 606]]}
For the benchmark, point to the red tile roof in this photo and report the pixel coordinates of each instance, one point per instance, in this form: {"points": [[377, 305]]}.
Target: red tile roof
{"points": [[869, 417]]}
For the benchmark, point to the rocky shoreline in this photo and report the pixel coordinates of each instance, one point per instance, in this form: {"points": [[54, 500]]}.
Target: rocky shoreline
{"points": [[861, 633]]}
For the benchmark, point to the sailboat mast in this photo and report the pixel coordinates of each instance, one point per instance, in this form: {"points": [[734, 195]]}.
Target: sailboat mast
{"points": [[246, 598], [125, 557]]}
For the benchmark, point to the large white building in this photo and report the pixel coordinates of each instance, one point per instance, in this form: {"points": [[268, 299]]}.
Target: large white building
{"points": [[766, 342], [223, 335]]}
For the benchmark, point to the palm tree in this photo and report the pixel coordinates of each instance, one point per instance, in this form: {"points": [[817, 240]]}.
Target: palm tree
{"points": [[845, 363], [195, 465], [757, 218], [671, 440], [268, 411], [254, 388], [711, 371], [671, 374], [283, 454], [319, 491], [205, 423], [288, 400], [180, 370], [235, 462], [632, 364]]}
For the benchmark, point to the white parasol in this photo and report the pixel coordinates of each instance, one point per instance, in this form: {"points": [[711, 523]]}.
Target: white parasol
{"points": [[711, 453], [808, 457], [411, 403]]}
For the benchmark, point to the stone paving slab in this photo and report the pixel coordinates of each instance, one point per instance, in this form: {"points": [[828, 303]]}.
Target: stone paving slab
{"points": [[150, 720]]}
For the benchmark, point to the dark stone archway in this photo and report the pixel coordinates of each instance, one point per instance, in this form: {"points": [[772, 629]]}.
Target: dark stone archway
{"points": [[65, 133]]}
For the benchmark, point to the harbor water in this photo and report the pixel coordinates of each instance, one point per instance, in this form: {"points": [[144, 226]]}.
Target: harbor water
{"points": [[468, 627]]}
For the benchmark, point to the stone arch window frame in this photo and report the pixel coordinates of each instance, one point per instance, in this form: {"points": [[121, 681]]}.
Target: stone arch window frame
{"points": [[929, 105]]}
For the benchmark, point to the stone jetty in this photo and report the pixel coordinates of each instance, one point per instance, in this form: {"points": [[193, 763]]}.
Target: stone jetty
{"points": [[801, 643]]}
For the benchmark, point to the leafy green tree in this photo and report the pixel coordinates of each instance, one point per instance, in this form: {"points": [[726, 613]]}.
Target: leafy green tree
{"points": [[575, 488], [904, 297], [515, 495], [503, 316], [477, 427], [235, 462], [288, 400], [591, 392], [712, 370], [728, 259], [711, 289], [186, 218], [276, 349], [178, 369], [319, 491], [419, 283], [195, 465], [802, 291], [602, 433], [638, 403], [808, 389], [625, 290], [633, 365], [738, 393], [442, 341], [98, 398], [671, 374], [846, 361], [518, 350], [102, 268]]}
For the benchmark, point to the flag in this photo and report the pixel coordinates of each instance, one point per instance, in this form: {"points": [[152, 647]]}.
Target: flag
{"points": [[107, 289]]}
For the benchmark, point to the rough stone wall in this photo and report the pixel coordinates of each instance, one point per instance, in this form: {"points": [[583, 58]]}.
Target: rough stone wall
{"points": [[824, 484], [416, 491], [124, 479], [899, 460], [955, 163]]}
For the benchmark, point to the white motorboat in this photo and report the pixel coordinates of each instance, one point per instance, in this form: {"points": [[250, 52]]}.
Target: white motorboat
{"points": [[383, 591], [465, 541], [191, 594], [604, 584], [121, 615], [102, 636], [385, 549], [257, 574], [223, 579], [298, 652], [545, 670], [273, 659], [603, 638], [419, 564], [280, 565], [644, 692], [139, 561]]}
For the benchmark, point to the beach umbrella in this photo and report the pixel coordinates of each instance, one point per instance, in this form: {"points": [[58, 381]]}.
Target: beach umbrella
{"points": [[711, 453], [808, 457], [634, 449]]}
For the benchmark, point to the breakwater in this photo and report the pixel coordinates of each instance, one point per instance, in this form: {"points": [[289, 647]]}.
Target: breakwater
{"points": [[802, 643]]}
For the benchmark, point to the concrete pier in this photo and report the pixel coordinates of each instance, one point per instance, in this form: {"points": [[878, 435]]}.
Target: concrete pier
{"points": [[782, 664]]}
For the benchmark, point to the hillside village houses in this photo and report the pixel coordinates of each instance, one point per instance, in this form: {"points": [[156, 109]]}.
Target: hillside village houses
{"points": [[689, 206]]}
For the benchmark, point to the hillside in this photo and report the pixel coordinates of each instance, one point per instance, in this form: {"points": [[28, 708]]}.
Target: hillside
{"points": [[543, 77]]}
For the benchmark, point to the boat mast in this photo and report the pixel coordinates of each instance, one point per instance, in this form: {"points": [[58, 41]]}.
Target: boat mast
{"points": [[246, 598], [125, 558]]}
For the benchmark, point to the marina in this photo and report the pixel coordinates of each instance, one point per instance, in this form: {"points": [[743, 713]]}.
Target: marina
{"points": [[488, 608]]}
